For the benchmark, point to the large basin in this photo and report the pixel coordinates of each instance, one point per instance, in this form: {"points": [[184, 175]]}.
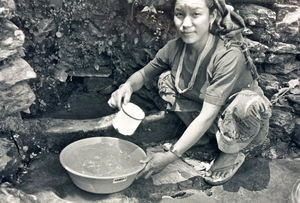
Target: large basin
{"points": [[102, 165]]}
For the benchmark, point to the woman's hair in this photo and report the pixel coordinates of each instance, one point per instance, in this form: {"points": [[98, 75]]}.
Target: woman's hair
{"points": [[209, 3]]}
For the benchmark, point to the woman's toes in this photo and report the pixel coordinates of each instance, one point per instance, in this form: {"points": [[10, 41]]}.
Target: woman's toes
{"points": [[225, 174], [217, 174], [208, 173], [221, 174]]}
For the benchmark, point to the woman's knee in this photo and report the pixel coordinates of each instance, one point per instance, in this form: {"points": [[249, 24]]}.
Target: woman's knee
{"points": [[249, 104], [243, 121], [164, 78]]}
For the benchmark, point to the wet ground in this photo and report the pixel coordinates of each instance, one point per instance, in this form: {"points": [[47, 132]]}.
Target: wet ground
{"points": [[258, 180]]}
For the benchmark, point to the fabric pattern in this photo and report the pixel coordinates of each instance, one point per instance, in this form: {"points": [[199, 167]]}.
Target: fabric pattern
{"points": [[235, 128]]}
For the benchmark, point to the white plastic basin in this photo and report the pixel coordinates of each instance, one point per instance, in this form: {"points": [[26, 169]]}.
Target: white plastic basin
{"points": [[102, 165]]}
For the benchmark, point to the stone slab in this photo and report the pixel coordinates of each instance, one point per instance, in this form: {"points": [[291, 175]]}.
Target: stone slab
{"points": [[15, 71], [258, 180], [10, 160], [11, 39], [148, 131], [16, 98]]}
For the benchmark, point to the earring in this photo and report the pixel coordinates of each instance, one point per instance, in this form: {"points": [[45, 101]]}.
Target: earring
{"points": [[210, 26]]}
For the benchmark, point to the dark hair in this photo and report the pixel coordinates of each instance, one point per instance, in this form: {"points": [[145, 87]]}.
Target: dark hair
{"points": [[210, 4]]}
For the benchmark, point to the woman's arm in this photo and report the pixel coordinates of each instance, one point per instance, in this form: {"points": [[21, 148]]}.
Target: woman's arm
{"points": [[136, 81], [192, 134], [123, 94], [197, 128]]}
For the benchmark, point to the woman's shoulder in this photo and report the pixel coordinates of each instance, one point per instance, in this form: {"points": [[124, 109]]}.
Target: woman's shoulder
{"points": [[227, 58], [227, 51]]}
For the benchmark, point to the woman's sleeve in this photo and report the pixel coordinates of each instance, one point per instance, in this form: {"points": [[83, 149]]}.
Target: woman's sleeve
{"points": [[159, 64], [226, 74]]}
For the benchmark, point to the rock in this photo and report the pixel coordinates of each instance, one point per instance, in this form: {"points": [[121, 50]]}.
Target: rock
{"points": [[287, 22], [279, 58], [279, 151], [16, 98], [286, 12], [11, 40], [285, 78], [269, 83], [296, 136], [295, 90], [282, 68], [288, 34], [263, 2], [256, 15], [264, 35], [175, 172], [10, 161], [7, 7], [179, 171], [15, 71], [296, 107], [284, 48], [283, 118], [150, 129], [9, 194], [257, 50], [294, 98], [12, 123], [54, 134], [97, 71]]}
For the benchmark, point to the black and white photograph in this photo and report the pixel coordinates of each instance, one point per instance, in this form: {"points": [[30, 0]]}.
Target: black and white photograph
{"points": [[150, 101]]}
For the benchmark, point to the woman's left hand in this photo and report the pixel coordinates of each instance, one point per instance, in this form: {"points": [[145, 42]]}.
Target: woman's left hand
{"points": [[155, 163]]}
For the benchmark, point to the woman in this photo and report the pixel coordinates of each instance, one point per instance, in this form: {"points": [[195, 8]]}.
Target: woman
{"points": [[208, 79]]}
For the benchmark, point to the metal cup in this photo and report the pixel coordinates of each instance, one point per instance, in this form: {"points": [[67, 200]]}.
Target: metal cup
{"points": [[128, 119]]}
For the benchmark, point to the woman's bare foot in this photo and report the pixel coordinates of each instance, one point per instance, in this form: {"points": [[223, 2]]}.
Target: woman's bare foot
{"points": [[222, 161], [224, 167]]}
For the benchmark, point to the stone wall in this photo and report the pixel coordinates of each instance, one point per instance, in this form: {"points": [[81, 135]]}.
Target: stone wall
{"points": [[109, 40], [15, 93]]}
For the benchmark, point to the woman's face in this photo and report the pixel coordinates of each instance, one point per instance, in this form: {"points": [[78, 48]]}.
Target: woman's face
{"points": [[192, 20]]}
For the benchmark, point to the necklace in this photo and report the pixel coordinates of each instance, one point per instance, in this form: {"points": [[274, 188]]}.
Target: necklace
{"points": [[196, 69]]}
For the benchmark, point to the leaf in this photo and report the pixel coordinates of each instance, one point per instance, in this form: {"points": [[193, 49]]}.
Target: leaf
{"points": [[151, 9]]}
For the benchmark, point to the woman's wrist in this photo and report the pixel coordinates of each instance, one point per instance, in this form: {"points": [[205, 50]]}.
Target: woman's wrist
{"points": [[169, 148], [126, 85], [171, 156], [175, 151]]}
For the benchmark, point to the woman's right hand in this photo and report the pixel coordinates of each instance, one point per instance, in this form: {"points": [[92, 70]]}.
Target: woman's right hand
{"points": [[120, 96]]}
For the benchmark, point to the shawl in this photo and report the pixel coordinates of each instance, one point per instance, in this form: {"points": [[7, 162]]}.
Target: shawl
{"points": [[231, 26]]}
